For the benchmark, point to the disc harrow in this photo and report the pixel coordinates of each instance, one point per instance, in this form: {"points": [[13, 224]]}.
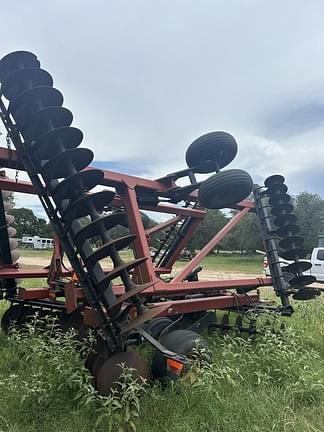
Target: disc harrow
{"points": [[150, 303], [279, 231], [49, 146], [291, 245]]}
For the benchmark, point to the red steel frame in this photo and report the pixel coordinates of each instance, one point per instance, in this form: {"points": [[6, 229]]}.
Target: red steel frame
{"points": [[127, 187]]}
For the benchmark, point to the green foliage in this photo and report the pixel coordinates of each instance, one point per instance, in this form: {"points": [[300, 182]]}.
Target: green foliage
{"points": [[26, 223], [246, 236], [212, 223], [310, 214], [269, 383], [42, 372]]}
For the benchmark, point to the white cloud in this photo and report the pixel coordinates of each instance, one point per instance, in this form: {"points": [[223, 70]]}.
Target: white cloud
{"points": [[144, 79]]}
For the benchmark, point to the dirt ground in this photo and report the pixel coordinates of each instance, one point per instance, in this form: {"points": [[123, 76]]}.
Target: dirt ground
{"points": [[42, 261]]}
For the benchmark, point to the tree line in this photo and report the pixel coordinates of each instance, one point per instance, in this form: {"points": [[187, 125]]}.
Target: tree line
{"points": [[27, 223], [245, 237]]}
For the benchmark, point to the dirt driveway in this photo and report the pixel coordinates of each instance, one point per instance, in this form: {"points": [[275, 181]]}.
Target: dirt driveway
{"points": [[43, 261]]}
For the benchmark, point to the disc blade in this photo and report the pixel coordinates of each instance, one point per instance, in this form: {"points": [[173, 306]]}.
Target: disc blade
{"points": [[118, 271], [60, 164], [6, 194], [7, 205], [91, 230], [282, 198], [105, 250], [289, 219], [15, 255], [291, 242], [55, 141], [83, 205], [74, 185], [17, 60], [274, 180], [306, 294], [31, 100], [293, 254], [11, 231], [109, 374], [46, 120], [22, 79], [282, 209], [303, 280], [10, 219], [298, 266], [13, 243], [287, 230]]}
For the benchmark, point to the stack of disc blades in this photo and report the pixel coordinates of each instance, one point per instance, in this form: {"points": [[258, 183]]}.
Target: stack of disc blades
{"points": [[53, 147], [291, 245]]}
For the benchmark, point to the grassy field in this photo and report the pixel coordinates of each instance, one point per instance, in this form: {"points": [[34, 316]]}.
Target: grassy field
{"points": [[227, 263], [273, 383]]}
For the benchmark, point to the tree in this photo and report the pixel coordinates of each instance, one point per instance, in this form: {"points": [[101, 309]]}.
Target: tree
{"points": [[27, 223], [208, 228], [246, 236], [310, 213]]}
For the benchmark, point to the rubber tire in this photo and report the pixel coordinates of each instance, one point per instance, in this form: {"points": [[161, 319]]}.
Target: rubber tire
{"points": [[110, 371], [225, 189], [181, 342], [214, 149], [157, 325]]}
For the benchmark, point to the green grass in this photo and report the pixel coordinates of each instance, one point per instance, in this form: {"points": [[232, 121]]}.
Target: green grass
{"points": [[227, 263], [234, 263], [274, 383], [35, 253]]}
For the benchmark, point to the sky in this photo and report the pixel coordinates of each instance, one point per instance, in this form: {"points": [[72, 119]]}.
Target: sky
{"points": [[145, 78]]}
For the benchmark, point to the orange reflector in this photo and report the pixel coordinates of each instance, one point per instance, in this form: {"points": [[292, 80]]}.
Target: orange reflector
{"points": [[75, 277], [174, 366]]}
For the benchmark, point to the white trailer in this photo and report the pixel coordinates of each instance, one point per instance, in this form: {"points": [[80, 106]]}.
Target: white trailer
{"points": [[37, 242]]}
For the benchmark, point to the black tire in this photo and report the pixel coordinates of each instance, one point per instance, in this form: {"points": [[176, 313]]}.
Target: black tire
{"points": [[225, 189], [181, 342], [157, 325], [211, 152]]}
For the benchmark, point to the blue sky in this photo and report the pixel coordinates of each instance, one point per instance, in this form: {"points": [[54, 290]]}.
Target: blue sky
{"points": [[145, 78]]}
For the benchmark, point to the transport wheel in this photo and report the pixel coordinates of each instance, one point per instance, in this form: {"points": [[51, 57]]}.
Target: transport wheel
{"points": [[211, 152], [157, 325], [225, 189], [179, 341], [109, 373]]}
